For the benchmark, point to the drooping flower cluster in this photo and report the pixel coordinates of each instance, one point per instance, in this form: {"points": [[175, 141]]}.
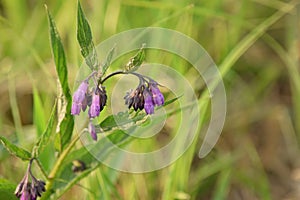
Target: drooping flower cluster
{"points": [[95, 100], [30, 190], [82, 98], [146, 96]]}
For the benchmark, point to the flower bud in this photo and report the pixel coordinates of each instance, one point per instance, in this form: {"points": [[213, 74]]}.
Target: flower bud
{"points": [[135, 98], [149, 104], [103, 97], [92, 131], [94, 110], [79, 97]]}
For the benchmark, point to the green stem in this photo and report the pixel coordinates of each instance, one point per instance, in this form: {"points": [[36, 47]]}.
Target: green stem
{"points": [[56, 168], [40, 166]]}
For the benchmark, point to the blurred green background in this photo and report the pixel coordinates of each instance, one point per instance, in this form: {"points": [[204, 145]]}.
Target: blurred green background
{"points": [[255, 43]]}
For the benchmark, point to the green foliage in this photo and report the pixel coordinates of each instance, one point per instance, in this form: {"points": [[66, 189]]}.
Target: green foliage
{"points": [[7, 190], [45, 137], [85, 40], [136, 61], [67, 123], [15, 150]]}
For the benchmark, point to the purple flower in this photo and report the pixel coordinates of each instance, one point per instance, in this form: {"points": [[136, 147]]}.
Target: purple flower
{"points": [[157, 96], [92, 131], [79, 97], [149, 104], [26, 195], [94, 110], [27, 190], [75, 110]]}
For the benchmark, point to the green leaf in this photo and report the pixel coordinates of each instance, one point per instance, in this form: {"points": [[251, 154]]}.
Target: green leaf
{"points": [[108, 60], [59, 56], [84, 37], [15, 150], [7, 190], [172, 100], [123, 118], [44, 139], [65, 129], [136, 61], [38, 113]]}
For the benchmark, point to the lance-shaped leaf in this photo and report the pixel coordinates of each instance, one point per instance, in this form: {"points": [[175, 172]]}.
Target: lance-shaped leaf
{"points": [[136, 61], [85, 40], [45, 137], [15, 150], [66, 125]]}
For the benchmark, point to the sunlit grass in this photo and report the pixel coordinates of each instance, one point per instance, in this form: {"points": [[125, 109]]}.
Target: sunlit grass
{"points": [[253, 42]]}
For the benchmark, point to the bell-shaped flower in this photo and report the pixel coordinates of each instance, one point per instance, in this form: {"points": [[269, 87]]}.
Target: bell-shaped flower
{"points": [[94, 110], [157, 96], [79, 97], [149, 104]]}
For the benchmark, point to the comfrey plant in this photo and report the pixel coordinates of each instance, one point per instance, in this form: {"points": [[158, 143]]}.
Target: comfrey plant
{"points": [[91, 97]]}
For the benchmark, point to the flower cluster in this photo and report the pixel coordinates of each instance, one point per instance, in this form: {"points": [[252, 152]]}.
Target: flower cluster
{"points": [[95, 100], [82, 98], [145, 96], [30, 190]]}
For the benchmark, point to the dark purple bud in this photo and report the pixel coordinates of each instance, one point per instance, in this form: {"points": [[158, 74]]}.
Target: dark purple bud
{"points": [[92, 131], [149, 104], [40, 187], [129, 98], [27, 190], [18, 191], [141, 101], [137, 103], [103, 97], [135, 98], [84, 104], [34, 192], [157, 96], [94, 110]]}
